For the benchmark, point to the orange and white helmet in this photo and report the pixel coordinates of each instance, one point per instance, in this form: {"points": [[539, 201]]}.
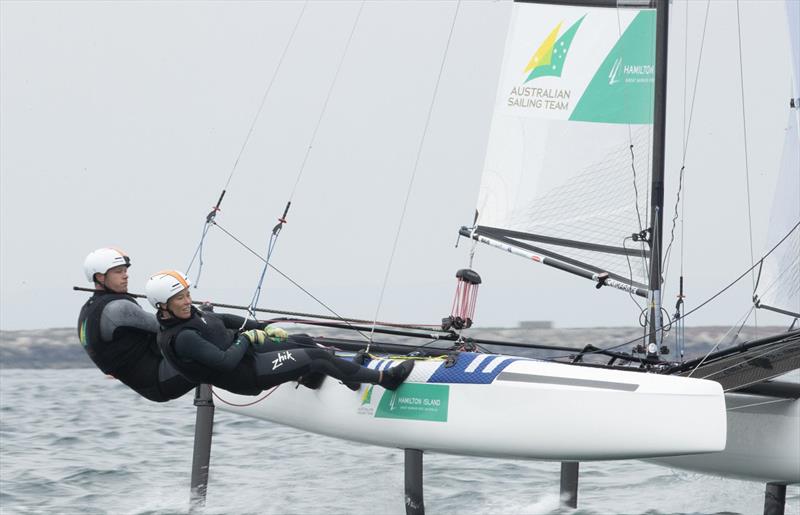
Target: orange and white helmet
{"points": [[163, 285], [102, 260]]}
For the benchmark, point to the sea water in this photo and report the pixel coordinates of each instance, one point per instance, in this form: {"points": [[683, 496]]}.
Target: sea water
{"points": [[74, 441]]}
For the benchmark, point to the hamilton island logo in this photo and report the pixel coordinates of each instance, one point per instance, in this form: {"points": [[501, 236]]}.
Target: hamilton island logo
{"points": [[613, 75], [547, 61]]}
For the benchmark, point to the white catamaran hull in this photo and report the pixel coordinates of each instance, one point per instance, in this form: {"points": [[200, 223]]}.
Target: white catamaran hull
{"points": [[763, 442], [507, 407]]}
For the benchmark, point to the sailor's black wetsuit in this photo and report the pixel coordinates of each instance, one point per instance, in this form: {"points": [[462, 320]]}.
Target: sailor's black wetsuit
{"points": [[206, 349], [120, 338]]}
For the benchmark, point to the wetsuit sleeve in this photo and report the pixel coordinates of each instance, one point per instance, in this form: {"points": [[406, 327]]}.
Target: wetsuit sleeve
{"points": [[123, 313], [190, 345], [235, 322]]}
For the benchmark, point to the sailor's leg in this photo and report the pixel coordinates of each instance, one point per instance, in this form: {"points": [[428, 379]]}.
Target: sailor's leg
{"points": [[342, 369], [273, 368], [351, 373], [277, 367]]}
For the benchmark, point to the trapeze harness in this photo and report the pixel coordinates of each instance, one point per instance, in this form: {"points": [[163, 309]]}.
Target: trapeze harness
{"points": [[130, 352], [205, 348]]}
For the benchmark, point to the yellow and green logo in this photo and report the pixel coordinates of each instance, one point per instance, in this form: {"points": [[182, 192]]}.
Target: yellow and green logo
{"points": [[366, 397], [548, 60]]}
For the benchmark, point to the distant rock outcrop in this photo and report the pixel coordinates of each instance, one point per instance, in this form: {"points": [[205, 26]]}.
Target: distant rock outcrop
{"points": [[42, 348]]}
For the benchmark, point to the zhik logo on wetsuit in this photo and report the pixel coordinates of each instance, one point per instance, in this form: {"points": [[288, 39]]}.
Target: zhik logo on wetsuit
{"points": [[282, 356]]}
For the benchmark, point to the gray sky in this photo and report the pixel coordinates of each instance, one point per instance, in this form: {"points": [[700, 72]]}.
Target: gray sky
{"points": [[121, 121]]}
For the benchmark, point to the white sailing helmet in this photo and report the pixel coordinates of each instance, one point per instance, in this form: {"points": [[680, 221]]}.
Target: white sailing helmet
{"points": [[163, 285], [102, 260]]}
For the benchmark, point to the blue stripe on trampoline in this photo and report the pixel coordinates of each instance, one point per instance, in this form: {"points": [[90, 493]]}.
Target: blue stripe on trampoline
{"points": [[458, 374], [381, 364]]}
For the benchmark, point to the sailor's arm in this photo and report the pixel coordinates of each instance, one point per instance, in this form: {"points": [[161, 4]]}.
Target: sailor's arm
{"points": [[124, 313], [191, 346]]}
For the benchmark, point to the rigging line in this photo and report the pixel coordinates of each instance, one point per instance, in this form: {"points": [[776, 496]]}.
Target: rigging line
{"points": [[266, 93], [723, 338], [687, 131], [210, 217], [685, 64], [269, 392], [630, 133], [630, 272], [743, 273], [318, 301], [696, 82], [667, 253], [327, 99], [273, 239], [199, 252], [773, 401], [783, 272], [710, 299], [414, 170], [635, 187], [744, 129]]}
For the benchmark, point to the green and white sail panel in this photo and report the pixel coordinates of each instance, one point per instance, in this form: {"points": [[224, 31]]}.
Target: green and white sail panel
{"points": [[567, 169], [779, 286]]}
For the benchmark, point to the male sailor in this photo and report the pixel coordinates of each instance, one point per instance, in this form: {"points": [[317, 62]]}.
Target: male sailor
{"points": [[207, 348], [119, 336]]}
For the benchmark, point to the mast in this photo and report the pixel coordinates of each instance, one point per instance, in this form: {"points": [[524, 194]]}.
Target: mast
{"points": [[657, 185]]}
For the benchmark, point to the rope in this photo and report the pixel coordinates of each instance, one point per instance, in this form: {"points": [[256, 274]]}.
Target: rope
{"points": [[223, 401], [199, 252], [723, 338], [746, 155], [212, 215], [327, 98], [687, 131], [266, 93], [759, 403], [413, 173], [273, 240], [318, 301], [708, 300]]}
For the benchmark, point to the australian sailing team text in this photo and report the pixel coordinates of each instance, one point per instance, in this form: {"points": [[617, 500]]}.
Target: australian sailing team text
{"points": [[526, 96]]}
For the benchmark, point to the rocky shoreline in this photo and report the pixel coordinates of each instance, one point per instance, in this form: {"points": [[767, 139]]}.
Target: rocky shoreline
{"points": [[60, 348]]}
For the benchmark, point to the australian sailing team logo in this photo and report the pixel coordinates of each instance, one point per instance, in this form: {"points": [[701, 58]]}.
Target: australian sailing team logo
{"points": [[366, 407], [547, 61]]}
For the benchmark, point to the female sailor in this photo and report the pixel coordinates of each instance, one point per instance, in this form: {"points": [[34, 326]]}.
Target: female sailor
{"points": [[207, 348]]}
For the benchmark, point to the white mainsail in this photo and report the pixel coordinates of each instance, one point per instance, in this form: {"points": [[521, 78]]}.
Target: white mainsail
{"points": [[780, 284], [569, 151]]}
